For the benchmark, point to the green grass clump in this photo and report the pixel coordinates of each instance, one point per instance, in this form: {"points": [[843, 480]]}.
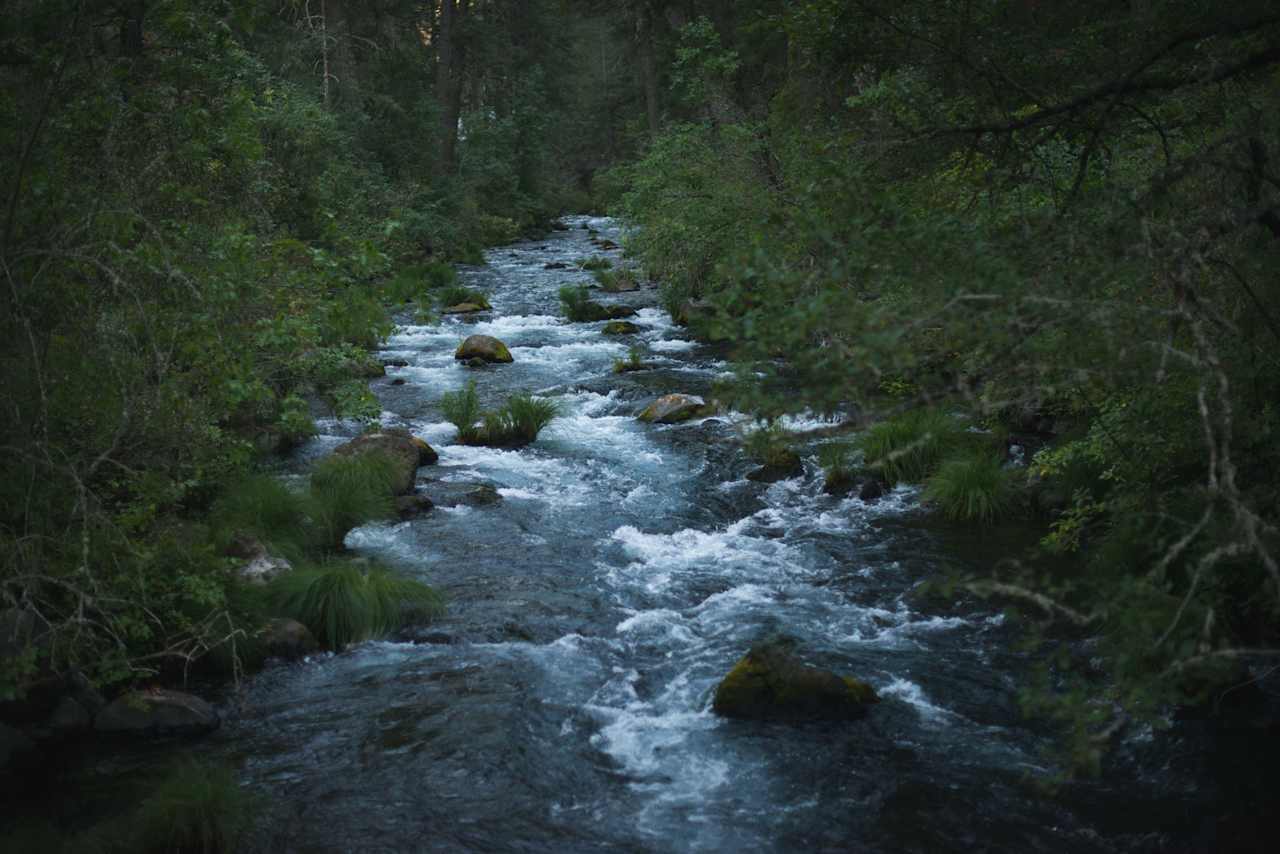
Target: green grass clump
{"points": [[769, 446], [341, 604], [347, 491], [462, 409], [524, 416], [975, 488], [263, 508], [615, 281], [908, 448], [457, 295], [518, 422], [595, 263], [839, 461], [633, 362], [577, 304], [196, 808]]}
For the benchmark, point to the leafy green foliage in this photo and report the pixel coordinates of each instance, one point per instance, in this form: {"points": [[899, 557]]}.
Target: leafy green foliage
{"points": [[973, 488], [342, 603]]}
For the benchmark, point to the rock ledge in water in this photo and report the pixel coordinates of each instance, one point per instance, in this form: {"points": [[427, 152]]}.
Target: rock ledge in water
{"points": [[771, 684], [157, 712]]}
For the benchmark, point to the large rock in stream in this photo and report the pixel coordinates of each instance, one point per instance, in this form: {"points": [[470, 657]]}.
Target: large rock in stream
{"points": [[484, 347], [771, 684], [158, 711], [407, 451], [674, 408]]}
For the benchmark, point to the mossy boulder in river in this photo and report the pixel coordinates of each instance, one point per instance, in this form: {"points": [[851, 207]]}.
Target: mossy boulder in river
{"points": [[484, 347], [407, 451], [620, 327], [464, 308], [770, 683], [674, 408]]}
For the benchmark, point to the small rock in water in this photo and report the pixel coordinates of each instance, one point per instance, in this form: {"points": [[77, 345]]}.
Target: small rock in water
{"points": [[287, 639], [674, 408], [620, 327], [872, 490], [408, 451], [396, 363], [412, 506], [398, 381], [788, 465], [555, 265], [454, 493], [464, 308]]}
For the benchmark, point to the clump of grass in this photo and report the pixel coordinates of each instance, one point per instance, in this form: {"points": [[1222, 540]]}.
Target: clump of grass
{"points": [[518, 422], [342, 604], [347, 491], [839, 463], [457, 295], [577, 304], [196, 808], [973, 488], [462, 409], [769, 445], [524, 416], [615, 281], [594, 263], [265, 509], [633, 362], [909, 447]]}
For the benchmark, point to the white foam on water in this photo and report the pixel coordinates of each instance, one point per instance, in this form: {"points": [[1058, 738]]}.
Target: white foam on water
{"points": [[672, 345], [662, 622], [573, 353], [913, 695]]}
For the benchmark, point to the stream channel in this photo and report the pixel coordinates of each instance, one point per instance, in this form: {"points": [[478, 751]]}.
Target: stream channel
{"points": [[563, 704]]}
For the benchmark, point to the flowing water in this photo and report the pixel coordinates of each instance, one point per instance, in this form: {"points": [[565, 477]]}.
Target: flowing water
{"points": [[564, 702]]}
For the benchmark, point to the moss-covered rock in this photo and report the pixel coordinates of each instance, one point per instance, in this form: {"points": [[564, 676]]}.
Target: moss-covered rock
{"points": [[158, 711], [484, 347], [620, 327], [674, 408], [770, 683]]}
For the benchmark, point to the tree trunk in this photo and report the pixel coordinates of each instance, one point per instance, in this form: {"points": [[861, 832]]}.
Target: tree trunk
{"points": [[131, 28], [648, 69], [450, 55]]}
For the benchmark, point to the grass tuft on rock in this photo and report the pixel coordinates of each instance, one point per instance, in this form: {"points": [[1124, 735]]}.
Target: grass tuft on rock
{"points": [[517, 423], [343, 603], [839, 461], [908, 448], [973, 488], [597, 262], [457, 295], [577, 304], [769, 445], [347, 491]]}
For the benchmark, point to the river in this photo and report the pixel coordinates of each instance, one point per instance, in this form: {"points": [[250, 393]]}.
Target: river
{"points": [[563, 704]]}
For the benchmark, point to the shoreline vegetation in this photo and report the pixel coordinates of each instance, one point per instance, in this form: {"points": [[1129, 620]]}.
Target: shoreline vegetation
{"points": [[1035, 270]]}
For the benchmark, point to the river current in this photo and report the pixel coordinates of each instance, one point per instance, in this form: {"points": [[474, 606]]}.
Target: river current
{"points": [[563, 703]]}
